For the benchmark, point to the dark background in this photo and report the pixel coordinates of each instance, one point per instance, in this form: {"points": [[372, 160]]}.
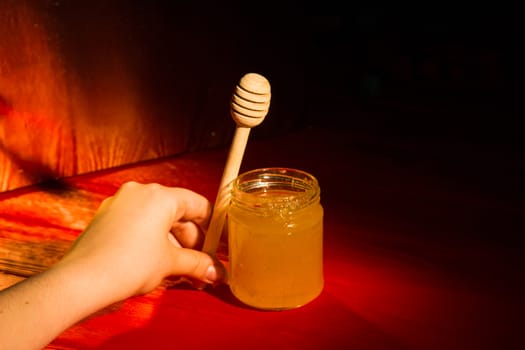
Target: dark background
{"points": [[432, 85], [430, 70]]}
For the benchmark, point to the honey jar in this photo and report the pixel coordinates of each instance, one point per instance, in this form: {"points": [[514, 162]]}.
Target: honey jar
{"points": [[275, 235]]}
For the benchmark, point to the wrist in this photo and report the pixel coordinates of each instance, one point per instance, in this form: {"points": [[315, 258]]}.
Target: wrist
{"points": [[62, 296], [89, 284]]}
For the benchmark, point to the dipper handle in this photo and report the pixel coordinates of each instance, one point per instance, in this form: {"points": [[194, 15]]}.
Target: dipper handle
{"points": [[249, 105]]}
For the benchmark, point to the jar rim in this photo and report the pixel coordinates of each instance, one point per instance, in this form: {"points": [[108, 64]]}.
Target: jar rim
{"points": [[296, 188]]}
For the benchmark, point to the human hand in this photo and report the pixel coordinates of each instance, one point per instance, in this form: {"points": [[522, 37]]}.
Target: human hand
{"points": [[139, 236], [145, 233]]}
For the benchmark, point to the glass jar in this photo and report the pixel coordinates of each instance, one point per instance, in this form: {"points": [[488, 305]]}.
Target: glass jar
{"points": [[275, 235]]}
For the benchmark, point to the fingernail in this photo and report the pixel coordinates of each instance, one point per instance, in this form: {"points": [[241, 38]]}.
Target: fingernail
{"points": [[212, 274]]}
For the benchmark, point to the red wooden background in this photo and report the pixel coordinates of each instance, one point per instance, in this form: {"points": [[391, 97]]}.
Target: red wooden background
{"points": [[90, 85]]}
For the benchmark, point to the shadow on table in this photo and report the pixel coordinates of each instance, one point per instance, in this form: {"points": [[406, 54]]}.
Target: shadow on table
{"points": [[221, 321]]}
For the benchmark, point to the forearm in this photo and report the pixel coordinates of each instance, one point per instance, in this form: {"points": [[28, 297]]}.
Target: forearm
{"points": [[138, 237], [35, 311]]}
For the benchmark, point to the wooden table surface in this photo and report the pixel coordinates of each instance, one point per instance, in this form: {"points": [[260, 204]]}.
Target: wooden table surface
{"points": [[418, 252]]}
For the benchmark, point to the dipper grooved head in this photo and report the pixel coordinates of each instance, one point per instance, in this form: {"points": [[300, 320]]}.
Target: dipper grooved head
{"points": [[251, 100]]}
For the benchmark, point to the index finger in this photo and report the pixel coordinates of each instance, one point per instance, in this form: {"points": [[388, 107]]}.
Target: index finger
{"points": [[190, 206]]}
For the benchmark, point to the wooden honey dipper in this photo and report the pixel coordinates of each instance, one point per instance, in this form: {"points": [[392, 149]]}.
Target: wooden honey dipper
{"points": [[249, 105]]}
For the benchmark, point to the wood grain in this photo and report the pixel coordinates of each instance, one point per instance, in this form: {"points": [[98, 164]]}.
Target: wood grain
{"points": [[77, 97], [25, 259], [39, 223]]}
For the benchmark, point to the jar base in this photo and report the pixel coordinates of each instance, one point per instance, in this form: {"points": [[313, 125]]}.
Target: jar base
{"points": [[268, 305]]}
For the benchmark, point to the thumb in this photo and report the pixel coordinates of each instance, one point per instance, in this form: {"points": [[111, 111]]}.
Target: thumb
{"points": [[197, 265]]}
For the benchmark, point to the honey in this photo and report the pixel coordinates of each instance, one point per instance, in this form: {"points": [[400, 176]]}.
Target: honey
{"points": [[275, 225]]}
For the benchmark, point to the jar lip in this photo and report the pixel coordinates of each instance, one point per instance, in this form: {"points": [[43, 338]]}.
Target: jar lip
{"points": [[279, 171], [294, 188]]}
